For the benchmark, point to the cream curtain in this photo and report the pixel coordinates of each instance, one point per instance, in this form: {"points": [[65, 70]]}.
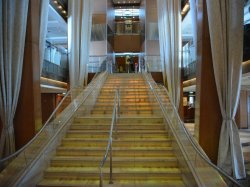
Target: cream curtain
{"points": [[79, 24], [44, 13], [193, 10], [226, 33], [13, 22], [169, 20]]}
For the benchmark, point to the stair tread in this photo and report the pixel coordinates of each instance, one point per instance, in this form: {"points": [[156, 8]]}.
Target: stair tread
{"points": [[143, 155], [114, 140], [119, 183], [139, 159], [167, 148], [120, 131], [66, 170], [136, 117]]}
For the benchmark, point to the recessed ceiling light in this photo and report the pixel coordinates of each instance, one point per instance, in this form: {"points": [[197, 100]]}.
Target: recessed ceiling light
{"points": [[55, 2], [60, 7]]}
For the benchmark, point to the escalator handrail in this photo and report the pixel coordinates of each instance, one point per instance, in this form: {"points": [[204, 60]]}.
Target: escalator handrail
{"points": [[191, 139]]}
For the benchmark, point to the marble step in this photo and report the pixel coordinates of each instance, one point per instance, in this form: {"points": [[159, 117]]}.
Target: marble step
{"points": [[117, 151], [102, 142], [74, 173], [116, 183], [123, 162]]}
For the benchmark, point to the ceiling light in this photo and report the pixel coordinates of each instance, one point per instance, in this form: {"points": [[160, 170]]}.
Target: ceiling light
{"points": [[55, 2], [64, 12], [60, 7]]}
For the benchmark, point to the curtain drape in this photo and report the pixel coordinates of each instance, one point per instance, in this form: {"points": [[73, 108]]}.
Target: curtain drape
{"points": [[226, 32], [169, 20], [44, 13], [13, 23], [79, 28], [193, 10]]}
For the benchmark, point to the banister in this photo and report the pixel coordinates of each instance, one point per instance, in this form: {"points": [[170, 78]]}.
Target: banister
{"points": [[37, 134], [190, 138], [115, 115]]}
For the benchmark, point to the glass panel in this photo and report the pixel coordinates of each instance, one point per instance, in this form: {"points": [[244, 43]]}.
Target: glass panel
{"points": [[42, 146]]}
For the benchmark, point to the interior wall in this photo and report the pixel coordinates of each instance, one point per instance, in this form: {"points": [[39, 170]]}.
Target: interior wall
{"points": [[243, 116], [48, 102], [127, 43], [99, 48], [152, 46], [142, 17], [110, 17]]}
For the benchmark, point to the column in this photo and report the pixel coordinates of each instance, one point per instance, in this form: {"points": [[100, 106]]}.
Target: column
{"points": [[28, 114], [208, 117]]}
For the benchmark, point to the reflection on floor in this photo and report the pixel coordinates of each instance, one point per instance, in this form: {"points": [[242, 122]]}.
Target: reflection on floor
{"points": [[244, 139]]}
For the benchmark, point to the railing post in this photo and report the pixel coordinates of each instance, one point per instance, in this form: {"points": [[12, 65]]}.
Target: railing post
{"points": [[100, 177], [118, 101], [110, 165]]}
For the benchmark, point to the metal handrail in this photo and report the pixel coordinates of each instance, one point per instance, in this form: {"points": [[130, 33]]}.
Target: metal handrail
{"points": [[37, 134], [199, 149], [191, 139], [110, 140], [15, 178]]}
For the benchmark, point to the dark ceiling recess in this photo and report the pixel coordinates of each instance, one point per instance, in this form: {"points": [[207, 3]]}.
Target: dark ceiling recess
{"points": [[183, 2], [246, 48]]}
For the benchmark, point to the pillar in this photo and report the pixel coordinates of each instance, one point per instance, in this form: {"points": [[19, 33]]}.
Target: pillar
{"points": [[208, 119], [28, 113]]}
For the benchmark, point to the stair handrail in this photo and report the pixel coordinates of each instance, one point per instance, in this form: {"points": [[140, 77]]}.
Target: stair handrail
{"points": [[109, 150], [198, 148], [191, 139], [39, 132], [16, 178]]}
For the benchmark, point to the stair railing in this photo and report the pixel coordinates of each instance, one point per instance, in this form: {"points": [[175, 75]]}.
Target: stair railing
{"points": [[19, 163], [109, 150], [202, 158]]}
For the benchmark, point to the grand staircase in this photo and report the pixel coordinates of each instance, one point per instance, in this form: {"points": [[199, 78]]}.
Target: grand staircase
{"points": [[142, 151]]}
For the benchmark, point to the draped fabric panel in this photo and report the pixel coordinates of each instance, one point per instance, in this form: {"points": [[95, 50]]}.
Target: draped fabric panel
{"points": [[79, 24], [13, 14], [193, 10], [226, 32], [44, 13], [169, 20]]}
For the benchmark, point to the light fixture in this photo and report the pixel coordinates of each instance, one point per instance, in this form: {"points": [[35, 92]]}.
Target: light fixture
{"points": [[185, 9], [59, 7], [55, 2], [64, 12]]}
